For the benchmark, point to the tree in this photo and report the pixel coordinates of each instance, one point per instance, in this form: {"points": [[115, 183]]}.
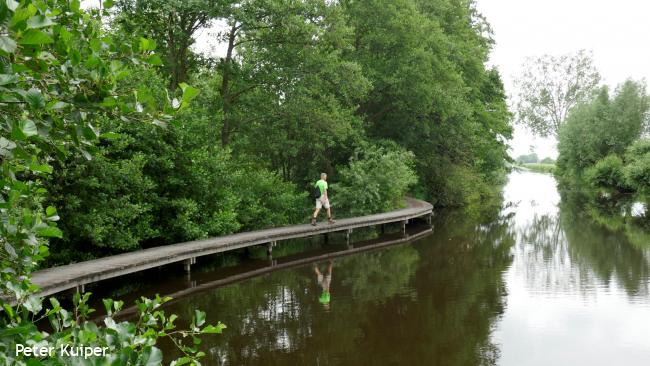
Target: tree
{"points": [[601, 127], [172, 24], [431, 92], [527, 159], [267, 47], [305, 111], [550, 86]]}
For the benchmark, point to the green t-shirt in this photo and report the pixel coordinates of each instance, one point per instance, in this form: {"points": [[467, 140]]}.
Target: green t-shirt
{"points": [[322, 185]]}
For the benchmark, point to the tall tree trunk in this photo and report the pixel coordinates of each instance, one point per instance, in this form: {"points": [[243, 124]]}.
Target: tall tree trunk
{"points": [[225, 87]]}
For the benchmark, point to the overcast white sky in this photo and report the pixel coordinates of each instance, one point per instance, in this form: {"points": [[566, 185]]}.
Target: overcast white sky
{"points": [[617, 32]]}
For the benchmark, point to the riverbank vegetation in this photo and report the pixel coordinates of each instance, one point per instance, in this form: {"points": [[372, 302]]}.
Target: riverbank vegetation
{"points": [[539, 167], [59, 79], [118, 135], [300, 88], [601, 145], [602, 135]]}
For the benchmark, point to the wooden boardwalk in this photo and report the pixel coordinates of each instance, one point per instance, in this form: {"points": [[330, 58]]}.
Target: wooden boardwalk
{"points": [[57, 279]]}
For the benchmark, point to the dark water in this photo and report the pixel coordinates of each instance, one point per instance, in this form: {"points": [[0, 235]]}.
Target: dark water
{"points": [[528, 281]]}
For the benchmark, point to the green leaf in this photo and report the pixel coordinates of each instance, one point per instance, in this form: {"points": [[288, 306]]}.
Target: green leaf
{"points": [[35, 37], [147, 44], [39, 21], [12, 5], [75, 57], [159, 123], [49, 232], [108, 305], [50, 211], [8, 79], [33, 304], [181, 361], [22, 14], [154, 60], [28, 128], [7, 44], [41, 168], [151, 356], [6, 98], [109, 102], [108, 4], [89, 132], [189, 93], [65, 35], [86, 154], [55, 104], [212, 329], [7, 144], [96, 44], [10, 250], [199, 317], [35, 99]]}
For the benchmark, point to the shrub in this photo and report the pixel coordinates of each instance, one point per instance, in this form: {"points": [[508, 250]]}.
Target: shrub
{"points": [[607, 173], [637, 168], [154, 190], [265, 200], [376, 180]]}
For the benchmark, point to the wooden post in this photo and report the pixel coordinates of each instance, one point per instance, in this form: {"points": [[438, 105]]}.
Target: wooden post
{"points": [[404, 222], [347, 236], [187, 264], [269, 248]]}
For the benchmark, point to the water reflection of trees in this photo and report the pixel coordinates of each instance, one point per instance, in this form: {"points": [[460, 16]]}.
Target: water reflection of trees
{"points": [[570, 252], [608, 253], [434, 302]]}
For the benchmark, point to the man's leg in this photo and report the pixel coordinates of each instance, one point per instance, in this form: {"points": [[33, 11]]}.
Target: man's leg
{"points": [[313, 218], [329, 213]]}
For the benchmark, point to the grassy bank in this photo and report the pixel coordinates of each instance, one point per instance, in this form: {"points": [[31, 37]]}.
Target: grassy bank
{"points": [[539, 167]]}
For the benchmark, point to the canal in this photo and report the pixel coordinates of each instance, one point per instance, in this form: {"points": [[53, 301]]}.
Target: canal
{"points": [[528, 280]]}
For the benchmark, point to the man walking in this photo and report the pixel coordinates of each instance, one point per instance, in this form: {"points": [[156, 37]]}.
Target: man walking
{"points": [[323, 200]]}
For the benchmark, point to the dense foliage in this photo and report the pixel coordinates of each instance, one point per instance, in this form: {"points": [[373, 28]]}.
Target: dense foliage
{"points": [[387, 98], [601, 143], [375, 181], [58, 80]]}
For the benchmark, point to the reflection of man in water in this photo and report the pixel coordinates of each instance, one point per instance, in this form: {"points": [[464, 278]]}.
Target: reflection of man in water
{"points": [[324, 282]]}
